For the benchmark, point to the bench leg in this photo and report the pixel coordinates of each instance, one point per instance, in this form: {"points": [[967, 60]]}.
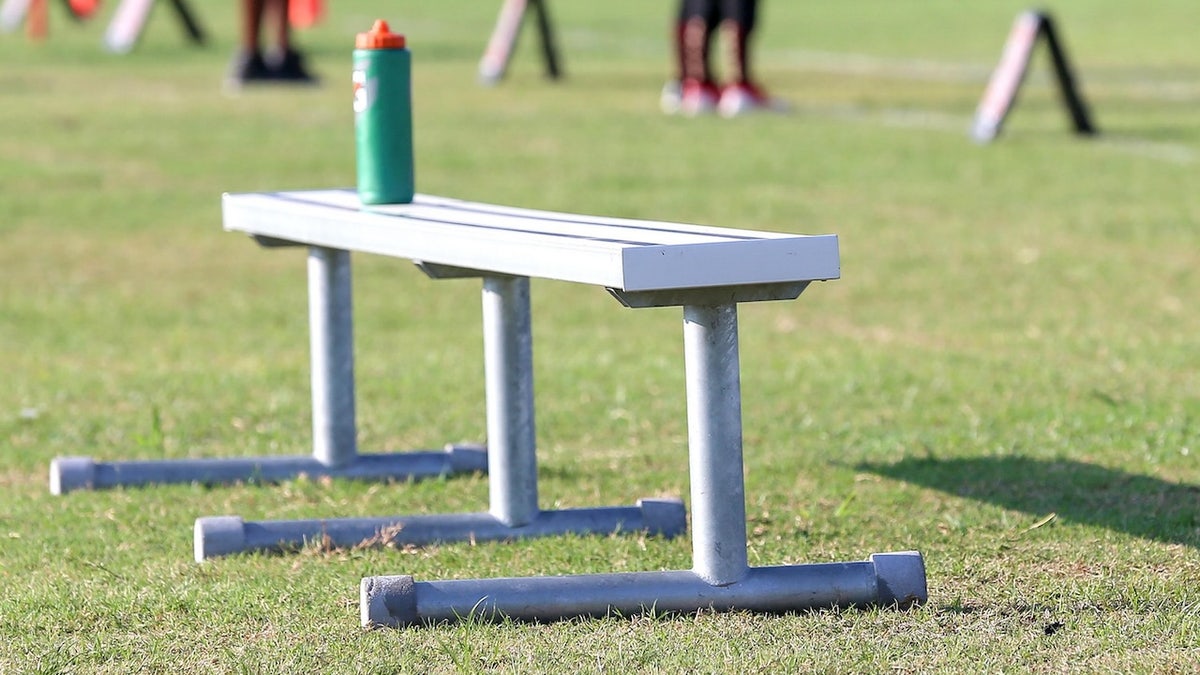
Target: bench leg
{"points": [[714, 404], [400, 601], [720, 578], [508, 365], [511, 455], [217, 536], [335, 452], [331, 335]]}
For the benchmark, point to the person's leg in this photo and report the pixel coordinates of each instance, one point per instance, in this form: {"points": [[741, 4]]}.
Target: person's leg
{"points": [[698, 20], [693, 36], [672, 92], [738, 18], [252, 13], [738, 21], [677, 31], [286, 62], [248, 64], [278, 11]]}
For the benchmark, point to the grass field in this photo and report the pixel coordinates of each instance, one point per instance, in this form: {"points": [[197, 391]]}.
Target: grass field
{"points": [[1006, 377]]}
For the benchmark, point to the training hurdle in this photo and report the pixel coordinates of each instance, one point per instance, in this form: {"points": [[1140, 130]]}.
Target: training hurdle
{"points": [[130, 19], [705, 270], [503, 41]]}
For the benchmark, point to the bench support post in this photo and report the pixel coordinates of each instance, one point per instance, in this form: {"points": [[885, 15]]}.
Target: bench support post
{"points": [[508, 366], [714, 404], [331, 337]]}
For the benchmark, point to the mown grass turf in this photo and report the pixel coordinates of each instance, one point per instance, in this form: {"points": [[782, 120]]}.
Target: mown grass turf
{"points": [[1005, 378]]}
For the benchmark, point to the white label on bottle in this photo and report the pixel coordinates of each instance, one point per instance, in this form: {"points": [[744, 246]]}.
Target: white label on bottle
{"points": [[364, 91]]}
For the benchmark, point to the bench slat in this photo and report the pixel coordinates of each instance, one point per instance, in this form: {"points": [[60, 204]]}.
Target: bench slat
{"points": [[583, 226]]}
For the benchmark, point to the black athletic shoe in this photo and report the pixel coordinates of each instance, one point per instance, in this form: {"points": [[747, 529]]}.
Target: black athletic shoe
{"points": [[247, 67], [289, 67]]}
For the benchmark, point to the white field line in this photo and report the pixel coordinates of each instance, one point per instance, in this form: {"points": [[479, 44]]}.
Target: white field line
{"points": [[1130, 82], [881, 66], [903, 118], [1175, 153], [935, 120], [942, 122]]}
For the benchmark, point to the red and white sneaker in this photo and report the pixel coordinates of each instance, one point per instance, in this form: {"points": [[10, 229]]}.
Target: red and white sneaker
{"points": [[671, 98], [747, 97], [698, 97]]}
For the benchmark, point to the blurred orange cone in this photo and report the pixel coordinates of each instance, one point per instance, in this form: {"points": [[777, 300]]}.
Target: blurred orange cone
{"points": [[305, 13], [84, 9], [37, 23]]}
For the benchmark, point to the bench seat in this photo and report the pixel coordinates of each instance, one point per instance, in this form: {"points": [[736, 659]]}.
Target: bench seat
{"points": [[616, 253]]}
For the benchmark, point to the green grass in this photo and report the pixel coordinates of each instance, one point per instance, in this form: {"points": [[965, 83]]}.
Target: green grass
{"points": [[1013, 338]]}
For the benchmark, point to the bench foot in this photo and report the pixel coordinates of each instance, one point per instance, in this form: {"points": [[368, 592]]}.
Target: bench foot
{"points": [[225, 535], [83, 473], [885, 579]]}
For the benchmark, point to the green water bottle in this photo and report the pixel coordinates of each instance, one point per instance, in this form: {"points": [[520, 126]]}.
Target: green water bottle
{"points": [[383, 116]]}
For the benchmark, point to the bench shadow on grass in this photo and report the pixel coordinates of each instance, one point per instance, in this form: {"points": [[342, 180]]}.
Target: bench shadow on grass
{"points": [[1076, 491]]}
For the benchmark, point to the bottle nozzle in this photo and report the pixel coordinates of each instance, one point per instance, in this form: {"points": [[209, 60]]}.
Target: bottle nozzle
{"points": [[379, 37]]}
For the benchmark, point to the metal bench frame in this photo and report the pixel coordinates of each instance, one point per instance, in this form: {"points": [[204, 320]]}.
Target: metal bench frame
{"points": [[706, 271]]}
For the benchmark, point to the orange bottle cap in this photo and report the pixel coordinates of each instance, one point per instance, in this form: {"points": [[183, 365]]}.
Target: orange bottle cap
{"points": [[380, 37]]}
